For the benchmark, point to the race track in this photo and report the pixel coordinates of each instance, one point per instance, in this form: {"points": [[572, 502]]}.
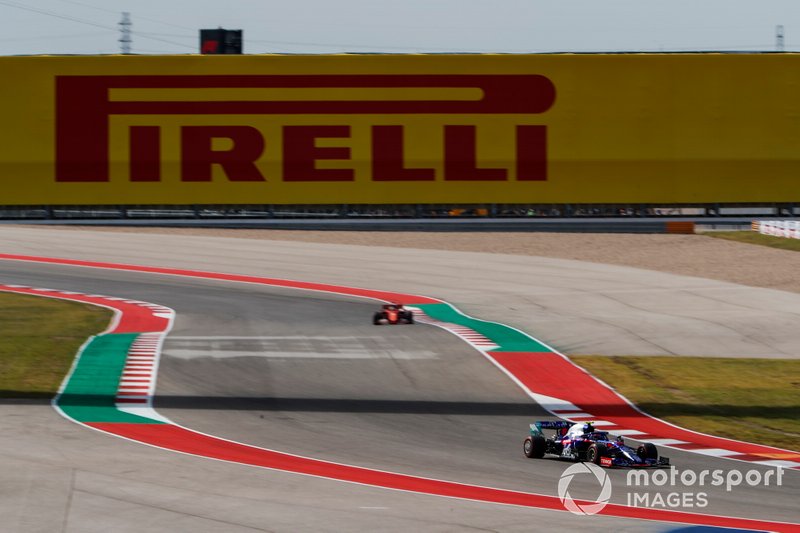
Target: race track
{"points": [[304, 373]]}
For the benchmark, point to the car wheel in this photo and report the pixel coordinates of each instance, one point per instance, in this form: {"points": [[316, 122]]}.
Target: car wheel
{"points": [[534, 447], [593, 454], [410, 317], [527, 448], [376, 319], [647, 451]]}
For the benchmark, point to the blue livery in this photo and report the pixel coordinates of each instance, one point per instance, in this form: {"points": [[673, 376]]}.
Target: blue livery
{"points": [[582, 442]]}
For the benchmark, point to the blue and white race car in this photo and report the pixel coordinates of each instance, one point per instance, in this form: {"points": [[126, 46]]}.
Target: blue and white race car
{"points": [[581, 442]]}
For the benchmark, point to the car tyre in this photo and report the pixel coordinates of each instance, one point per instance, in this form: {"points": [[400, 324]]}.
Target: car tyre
{"points": [[647, 451], [593, 454], [534, 447], [376, 319]]}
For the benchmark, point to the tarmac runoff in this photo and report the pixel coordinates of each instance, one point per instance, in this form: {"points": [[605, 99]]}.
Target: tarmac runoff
{"points": [[150, 343], [577, 307]]}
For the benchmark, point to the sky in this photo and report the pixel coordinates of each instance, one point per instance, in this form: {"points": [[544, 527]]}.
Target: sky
{"points": [[392, 26]]}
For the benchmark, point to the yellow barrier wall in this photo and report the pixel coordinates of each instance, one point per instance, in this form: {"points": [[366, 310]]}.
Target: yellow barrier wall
{"points": [[637, 128]]}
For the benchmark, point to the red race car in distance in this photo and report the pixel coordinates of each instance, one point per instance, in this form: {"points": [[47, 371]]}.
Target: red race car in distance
{"points": [[393, 314]]}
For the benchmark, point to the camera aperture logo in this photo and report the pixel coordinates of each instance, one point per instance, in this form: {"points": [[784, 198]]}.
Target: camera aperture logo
{"points": [[584, 508]]}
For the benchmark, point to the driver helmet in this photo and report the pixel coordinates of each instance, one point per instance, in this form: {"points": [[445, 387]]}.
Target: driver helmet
{"points": [[588, 428]]}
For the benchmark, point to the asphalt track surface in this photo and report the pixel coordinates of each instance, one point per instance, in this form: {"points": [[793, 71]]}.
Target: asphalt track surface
{"points": [[305, 373]]}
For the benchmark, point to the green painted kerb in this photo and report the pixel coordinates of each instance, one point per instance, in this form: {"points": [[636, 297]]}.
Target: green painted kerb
{"points": [[508, 339], [90, 393]]}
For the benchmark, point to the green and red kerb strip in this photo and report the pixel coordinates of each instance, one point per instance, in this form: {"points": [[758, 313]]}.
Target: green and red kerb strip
{"points": [[571, 393], [104, 391], [113, 378]]}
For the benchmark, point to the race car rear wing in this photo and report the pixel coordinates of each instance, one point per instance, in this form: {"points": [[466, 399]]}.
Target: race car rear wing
{"points": [[537, 427]]}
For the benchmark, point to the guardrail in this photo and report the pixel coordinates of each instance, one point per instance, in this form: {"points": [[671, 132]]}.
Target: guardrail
{"points": [[593, 218], [398, 211]]}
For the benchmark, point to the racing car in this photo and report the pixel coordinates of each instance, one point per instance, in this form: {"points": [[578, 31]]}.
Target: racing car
{"points": [[582, 442], [393, 314]]}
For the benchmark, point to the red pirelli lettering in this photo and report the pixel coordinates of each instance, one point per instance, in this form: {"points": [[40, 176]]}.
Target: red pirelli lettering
{"points": [[531, 153], [300, 153], [460, 157], [84, 107], [388, 158], [145, 153], [238, 162]]}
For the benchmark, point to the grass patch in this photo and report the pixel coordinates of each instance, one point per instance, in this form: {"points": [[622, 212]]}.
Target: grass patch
{"points": [[754, 400], [39, 338], [753, 237]]}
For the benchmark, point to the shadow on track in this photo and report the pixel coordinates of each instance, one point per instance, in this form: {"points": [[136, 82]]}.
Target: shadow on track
{"points": [[339, 405]]}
